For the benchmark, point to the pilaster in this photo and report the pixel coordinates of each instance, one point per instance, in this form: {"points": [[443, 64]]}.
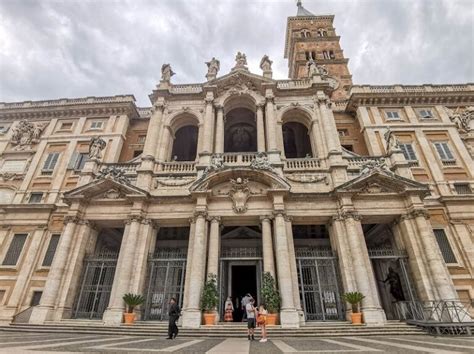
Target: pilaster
{"points": [[260, 128]]}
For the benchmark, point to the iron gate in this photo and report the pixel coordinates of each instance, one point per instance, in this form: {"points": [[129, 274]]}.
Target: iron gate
{"points": [[319, 284], [166, 272], [96, 285]]}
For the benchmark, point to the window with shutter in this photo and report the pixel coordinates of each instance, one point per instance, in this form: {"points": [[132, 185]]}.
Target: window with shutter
{"points": [[36, 298], [408, 151], [444, 246], [14, 251], [444, 152], [50, 163], [48, 257]]}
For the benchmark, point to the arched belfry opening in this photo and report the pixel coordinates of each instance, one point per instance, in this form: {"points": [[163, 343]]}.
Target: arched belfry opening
{"points": [[185, 144], [240, 129], [296, 140]]}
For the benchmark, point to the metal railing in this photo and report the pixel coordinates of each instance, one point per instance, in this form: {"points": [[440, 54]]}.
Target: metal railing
{"points": [[446, 311]]}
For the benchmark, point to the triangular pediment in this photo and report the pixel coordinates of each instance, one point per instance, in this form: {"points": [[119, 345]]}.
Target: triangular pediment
{"points": [[242, 232], [381, 181], [240, 79], [105, 188]]}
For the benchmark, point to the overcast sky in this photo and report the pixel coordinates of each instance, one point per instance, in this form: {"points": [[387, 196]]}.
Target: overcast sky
{"points": [[76, 48]]}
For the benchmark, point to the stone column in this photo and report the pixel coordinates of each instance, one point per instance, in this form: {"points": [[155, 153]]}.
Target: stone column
{"points": [[329, 125], [123, 272], [208, 125], [220, 130], [44, 311], [270, 124], [260, 128], [407, 232], [151, 142], [294, 272], [189, 261], [317, 138], [163, 151], [214, 246], [363, 272], [267, 245], [439, 271], [288, 315], [192, 313], [339, 242]]}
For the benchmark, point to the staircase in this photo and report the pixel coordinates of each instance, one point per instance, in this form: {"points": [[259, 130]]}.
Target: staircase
{"points": [[160, 329]]}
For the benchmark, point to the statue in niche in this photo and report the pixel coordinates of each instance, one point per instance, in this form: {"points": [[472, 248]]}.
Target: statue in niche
{"points": [[312, 67], [240, 139], [266, 63], [166, 73], [391, 140], [96, 146], [213, 67], [239, 193], [393, 280]]}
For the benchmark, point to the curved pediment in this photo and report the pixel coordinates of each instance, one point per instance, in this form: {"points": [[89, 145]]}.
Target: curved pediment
{"points": [[266, 178]]}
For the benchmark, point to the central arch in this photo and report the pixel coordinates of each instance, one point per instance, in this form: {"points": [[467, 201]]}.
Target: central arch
{"points": [[240, 129]]}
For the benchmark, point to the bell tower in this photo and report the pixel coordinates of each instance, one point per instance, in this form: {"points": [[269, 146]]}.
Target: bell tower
{"points": [[310, 36]]}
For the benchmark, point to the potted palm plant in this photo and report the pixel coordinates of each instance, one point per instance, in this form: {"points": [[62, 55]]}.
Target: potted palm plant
{"points": [[209, 300], [132, 301], [271, 298], [354, 298]]}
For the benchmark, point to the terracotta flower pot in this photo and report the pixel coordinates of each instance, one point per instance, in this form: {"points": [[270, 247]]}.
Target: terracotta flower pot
{"points": [[356, 318], [128, 318], [209, 318], [271, 319]]}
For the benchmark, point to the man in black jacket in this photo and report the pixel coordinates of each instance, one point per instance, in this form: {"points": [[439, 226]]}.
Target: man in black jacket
{"points": [[173, 312]]}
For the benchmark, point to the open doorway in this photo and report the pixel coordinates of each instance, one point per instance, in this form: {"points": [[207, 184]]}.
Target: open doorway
{"points": [[243, 281]]}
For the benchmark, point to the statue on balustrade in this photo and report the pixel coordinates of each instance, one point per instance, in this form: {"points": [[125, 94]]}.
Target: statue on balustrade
{"points": [[96, 146], [166, 73], [312, 67], [213, 67], [393, 280]]}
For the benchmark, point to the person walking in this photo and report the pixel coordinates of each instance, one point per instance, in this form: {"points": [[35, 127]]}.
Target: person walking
{"points": [[262, 322], [245, 300], [173, 312], [251, 317], [229, 310]]}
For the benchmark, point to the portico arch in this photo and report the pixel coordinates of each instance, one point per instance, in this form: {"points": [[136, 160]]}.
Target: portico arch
{"points": [[185, 131], [240, 128], [296, 127]]}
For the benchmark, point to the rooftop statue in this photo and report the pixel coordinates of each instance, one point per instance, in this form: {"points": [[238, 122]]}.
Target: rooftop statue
{"points": [[166, 73], [213, 67], [240, 61]]}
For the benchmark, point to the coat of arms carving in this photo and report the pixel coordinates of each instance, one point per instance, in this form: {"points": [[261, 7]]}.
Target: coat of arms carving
{"points": [[26, 134], [239, 193]]}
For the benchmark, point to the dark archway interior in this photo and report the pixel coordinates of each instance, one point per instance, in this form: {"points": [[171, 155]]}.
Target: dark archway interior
{"points": [[244, 280], [185, 144], [240, 131], [296, 140]]}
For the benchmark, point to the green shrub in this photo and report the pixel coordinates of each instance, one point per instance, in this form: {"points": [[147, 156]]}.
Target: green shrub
{"points": [[132, 301], [210, 295], [270, 294], [354, 298]]}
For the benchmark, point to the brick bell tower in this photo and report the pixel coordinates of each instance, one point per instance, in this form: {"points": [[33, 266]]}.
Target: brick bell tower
{"points": [[307, 36]]}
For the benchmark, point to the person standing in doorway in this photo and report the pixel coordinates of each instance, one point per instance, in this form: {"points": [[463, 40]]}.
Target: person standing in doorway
{"points": [[251, 318], [173, 312], [245, 300]]}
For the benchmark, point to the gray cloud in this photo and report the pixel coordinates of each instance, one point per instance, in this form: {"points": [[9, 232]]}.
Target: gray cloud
{"points": [[52, 49]]}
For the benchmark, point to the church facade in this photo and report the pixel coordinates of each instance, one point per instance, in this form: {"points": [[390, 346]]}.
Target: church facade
{"points": [[328, 186]]}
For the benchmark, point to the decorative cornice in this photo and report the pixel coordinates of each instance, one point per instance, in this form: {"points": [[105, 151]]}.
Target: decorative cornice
{"points": [[415, 213], [71, 219], [266, 217], [200, 214]]}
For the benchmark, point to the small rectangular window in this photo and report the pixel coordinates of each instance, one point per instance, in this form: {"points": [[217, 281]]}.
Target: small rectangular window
{"points": [[444, 152], [444, 246], [96, 125], [462, 188], [343, 132], [48, 257], [14, 251], [392, 115], [35, 197], [426, 114], [141, 139], [137, 153], [36, 298], [66, 125], [50, 163]]}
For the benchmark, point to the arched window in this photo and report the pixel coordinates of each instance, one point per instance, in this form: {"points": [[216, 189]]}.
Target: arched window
{"points": [[185, 144], [240, 131], [305, 33], [296, 140]]}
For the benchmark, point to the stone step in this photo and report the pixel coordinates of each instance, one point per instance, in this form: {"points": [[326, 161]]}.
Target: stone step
{"points": [[212, 331]]}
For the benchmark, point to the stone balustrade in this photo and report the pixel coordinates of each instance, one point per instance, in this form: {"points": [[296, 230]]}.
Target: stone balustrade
{"points": [[356, 162], [180, 89], [177, 167], [238, 158], [303, 164], [68, 101], [410, 88], [293, 84]]}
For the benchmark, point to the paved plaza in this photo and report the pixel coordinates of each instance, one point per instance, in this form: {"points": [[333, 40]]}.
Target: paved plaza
{"points": [[20, 342]]}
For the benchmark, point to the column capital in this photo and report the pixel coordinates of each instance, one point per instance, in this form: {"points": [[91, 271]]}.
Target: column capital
{"points": [[219, 107], [134, 218], [214, 219], [200, 214], [288, 218], [260, 105], [279, 213], [414, 214], [349, 214], [266, 217], [270, 99], [209, 100], [159, 106], [71, 219]]}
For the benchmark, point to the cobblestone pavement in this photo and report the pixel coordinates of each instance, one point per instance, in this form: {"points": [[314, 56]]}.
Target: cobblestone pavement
{"points": [[20, 342]]}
